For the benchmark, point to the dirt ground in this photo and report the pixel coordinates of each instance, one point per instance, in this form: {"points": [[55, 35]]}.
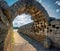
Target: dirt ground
{"points": [[21, 44], [24, 43]]}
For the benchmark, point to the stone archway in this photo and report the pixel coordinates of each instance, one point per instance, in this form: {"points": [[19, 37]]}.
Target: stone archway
{"points": [[32, 7], [38, 13]]}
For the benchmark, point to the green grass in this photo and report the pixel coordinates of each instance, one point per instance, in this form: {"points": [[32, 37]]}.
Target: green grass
{"points": [[12, 40], [12, 37]]}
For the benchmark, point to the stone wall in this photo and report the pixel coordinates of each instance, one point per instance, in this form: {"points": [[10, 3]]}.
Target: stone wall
{"points": [[39, 29], [54, 31], [32, 7], [29, 30], [26, 28], [38, 13], [5, 24]]}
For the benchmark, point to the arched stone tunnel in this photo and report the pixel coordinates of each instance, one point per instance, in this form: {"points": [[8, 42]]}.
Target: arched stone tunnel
{"points": [[7, 15]]}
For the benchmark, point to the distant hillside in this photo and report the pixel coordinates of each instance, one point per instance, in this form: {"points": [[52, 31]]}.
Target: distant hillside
{"points": [[27, 29], [29, 24], [15, 27], [51, 19]]}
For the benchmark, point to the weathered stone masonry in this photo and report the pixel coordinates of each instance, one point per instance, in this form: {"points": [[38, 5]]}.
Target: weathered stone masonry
{"points": [[53, 31], [32, 7], [38, 13], [5, 26]]}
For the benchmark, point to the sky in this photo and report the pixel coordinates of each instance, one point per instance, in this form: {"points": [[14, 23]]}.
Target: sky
{"points": [[22, 20], [51, 6]]}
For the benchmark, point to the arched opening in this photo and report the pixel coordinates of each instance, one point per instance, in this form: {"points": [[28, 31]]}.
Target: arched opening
{"points": [[21, 20], [39, 26], [37, 12]]}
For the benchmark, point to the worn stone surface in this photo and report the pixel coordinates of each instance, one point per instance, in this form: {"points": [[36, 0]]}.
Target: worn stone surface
{"points": [[38, 13], [39, 27], [32, 7], [29, 30], [5, 24], [54, 31], [9, 13]]}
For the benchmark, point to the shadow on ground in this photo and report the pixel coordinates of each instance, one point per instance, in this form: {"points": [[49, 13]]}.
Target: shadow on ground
{"points": [[36, 44]]}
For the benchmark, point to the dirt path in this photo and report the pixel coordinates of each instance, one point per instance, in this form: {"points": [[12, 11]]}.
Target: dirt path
{"points": [[21, 44], [24, 43]]}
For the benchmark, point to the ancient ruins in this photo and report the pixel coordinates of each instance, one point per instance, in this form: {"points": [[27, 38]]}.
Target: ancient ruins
{"points": [[40, 26]]}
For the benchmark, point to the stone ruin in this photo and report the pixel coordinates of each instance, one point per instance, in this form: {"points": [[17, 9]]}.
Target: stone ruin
{"points": [[53, 31], [7, 15]]}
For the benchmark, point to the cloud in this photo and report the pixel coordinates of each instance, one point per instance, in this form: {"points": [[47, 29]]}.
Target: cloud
{"points": [[57, 10], [22, 20], [39, 1], [58, 3]]}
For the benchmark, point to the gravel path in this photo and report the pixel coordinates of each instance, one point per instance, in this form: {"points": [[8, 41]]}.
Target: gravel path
{"points": [[24, 43]]}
